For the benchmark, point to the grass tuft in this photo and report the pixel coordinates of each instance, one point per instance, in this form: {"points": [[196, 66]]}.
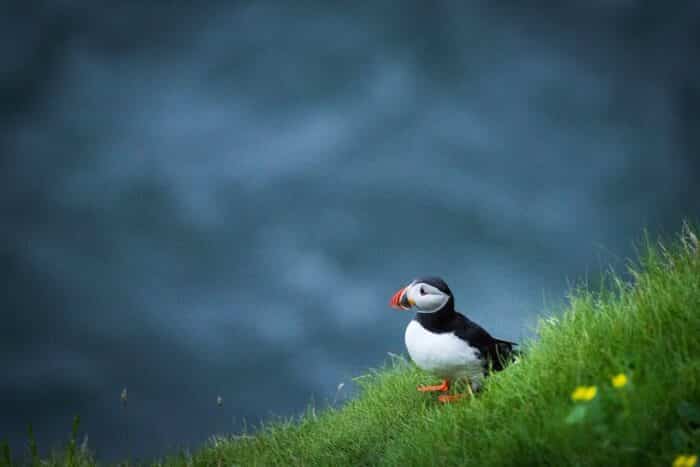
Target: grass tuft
{"points": [[33, 451]]}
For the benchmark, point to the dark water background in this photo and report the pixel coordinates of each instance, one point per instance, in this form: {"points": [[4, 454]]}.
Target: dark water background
{"points": [[219, 199]]}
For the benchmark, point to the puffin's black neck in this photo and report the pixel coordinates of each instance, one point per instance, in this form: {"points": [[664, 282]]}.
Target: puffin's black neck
{"points": [[440, 320]]}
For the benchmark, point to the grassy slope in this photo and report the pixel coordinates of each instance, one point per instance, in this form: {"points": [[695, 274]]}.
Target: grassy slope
{"points": [[650, 331]]}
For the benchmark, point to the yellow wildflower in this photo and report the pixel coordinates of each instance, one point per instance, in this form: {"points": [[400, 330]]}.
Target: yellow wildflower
{"points": [[685, 461], [619, 381], [584, 393]]}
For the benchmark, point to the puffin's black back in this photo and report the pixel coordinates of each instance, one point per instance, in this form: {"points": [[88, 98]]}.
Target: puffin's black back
{"points": [[497, 352]]}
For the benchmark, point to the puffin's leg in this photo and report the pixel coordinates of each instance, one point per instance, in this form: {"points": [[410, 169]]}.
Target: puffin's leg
{"points": [[443, 387], [445, 398]]}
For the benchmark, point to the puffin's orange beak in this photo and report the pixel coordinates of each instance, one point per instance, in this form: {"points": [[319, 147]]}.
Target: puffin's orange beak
{"points": [[400, 300]]}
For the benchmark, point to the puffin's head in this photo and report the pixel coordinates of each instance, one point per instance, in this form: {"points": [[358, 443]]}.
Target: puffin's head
{"points": [[424, 295]]}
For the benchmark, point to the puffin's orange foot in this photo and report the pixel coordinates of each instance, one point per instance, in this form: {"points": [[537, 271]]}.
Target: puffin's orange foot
{"points": [[447, 398], [443, 387]]}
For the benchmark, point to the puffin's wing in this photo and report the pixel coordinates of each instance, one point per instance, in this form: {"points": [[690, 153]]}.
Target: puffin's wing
{"points": [[497, 352]]}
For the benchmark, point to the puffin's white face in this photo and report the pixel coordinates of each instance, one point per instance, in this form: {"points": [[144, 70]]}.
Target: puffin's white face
{"points": [[420, 297]]}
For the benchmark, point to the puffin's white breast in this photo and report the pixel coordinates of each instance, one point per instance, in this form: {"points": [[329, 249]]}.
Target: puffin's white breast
{"points": [[444, 355]]}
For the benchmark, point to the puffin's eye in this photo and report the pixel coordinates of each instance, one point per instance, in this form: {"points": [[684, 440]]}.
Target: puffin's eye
{"points": [[422, 291]]}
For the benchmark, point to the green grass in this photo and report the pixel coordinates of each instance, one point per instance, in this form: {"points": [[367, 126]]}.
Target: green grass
{"points": [[648, 329]]}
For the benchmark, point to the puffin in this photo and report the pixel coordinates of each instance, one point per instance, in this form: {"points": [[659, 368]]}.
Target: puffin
{"points": [[444, 342]]}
